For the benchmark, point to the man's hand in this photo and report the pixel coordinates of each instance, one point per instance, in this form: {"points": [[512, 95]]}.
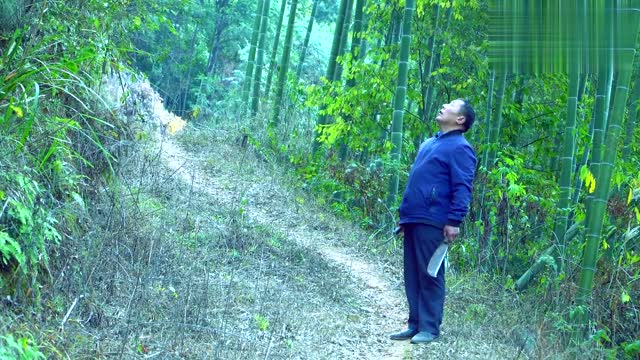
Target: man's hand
{"points": [[450, 233]]}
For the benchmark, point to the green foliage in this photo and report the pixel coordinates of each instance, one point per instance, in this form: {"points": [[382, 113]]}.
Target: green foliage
{"points": [[632, 349], [518, 202], [262, 323], [28, 229], [327, 11], [356, 109], [183, 46], [22, 348], [10, 250], [56, 134]]}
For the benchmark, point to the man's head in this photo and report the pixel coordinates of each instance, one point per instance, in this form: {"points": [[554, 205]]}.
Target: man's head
{"points": [[456, 115]]}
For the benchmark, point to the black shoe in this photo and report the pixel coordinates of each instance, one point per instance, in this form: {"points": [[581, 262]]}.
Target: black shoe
{"points": [[423, 337], [404, 334]]}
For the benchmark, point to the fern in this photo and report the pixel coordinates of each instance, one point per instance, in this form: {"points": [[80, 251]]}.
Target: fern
{"points": [[10, 249], [28, 227]]}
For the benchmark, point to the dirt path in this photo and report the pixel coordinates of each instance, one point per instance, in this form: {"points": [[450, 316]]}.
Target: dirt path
{"points": [[236, 177], [385, 305]]}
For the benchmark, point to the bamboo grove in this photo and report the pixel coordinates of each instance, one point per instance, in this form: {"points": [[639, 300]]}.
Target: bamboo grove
{"points": [[552, 204], [345, 91]]}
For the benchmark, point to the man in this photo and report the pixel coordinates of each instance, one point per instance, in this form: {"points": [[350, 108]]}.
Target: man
{"points": [[434, 203]]}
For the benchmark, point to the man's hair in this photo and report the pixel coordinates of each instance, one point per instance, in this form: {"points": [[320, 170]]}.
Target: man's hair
{"points": [[469, 114]]}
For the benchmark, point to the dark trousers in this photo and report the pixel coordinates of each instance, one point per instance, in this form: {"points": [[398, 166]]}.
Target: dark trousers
{"points": [[425, 294]]}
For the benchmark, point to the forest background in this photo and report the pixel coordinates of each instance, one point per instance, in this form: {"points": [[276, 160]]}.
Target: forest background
{"points": [[342, 92]]}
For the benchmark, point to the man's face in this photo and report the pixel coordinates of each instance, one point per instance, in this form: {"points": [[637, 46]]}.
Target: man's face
{"points": [[450, 116]]}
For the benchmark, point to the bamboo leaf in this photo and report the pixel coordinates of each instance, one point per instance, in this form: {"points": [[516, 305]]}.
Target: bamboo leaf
{"points": [[631, 233], [589, 180], [78, 199], [625, 298], [31, 120], [630, 196], [631, 258], [633, 348], [47, 155], [17, 111], [583, 172]]}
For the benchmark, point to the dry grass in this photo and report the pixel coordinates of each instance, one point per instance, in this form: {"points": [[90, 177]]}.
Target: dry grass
{"points": [[172, 272], [298, 207]]}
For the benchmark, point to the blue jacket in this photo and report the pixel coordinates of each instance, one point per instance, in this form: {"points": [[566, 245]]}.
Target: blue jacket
{"points": [[439, 188]]}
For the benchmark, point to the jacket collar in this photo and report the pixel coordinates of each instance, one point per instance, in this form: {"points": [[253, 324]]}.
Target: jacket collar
{"points": [[439, 134]]}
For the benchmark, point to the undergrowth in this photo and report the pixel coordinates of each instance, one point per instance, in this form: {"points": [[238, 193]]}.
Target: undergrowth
{"points": [[56, 139]]}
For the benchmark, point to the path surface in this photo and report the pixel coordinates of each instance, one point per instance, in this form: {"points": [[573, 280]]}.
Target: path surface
{"points": [[265, 207]]}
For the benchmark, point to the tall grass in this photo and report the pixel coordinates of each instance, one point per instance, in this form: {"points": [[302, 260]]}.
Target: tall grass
{"points": [[56, 137]]}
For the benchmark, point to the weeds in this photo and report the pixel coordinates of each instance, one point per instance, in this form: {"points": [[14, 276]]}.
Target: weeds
{"points": [[22, 348], [57, 139]]}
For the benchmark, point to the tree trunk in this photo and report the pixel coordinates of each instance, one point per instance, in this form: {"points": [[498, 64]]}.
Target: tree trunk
{"points": [[357, 37], [566, 168], [400, 95], [337, 37], [434, 63], [305, 44], [394, 30], [492, 147], [577, 166], [596, 209], [605, 77], [583, 162], [187, 84], [487, 123], [544, 259], [362, 51], [351, 82], [221, 24], [248, 74], [344, 36], [425, 73], [284, 65], [255, 97], [554, 251], [631, 121], [496, 123], [274, 48]]}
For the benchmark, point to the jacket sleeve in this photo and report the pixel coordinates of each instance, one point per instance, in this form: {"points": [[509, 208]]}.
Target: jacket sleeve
{"points": [[461, 170]]}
